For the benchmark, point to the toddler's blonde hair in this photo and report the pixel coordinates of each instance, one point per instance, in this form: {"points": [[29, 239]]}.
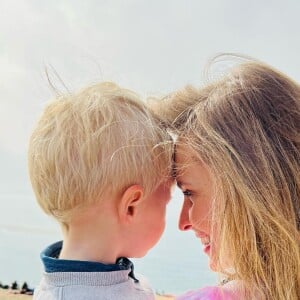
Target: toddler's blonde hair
{"points": [[95, 142]]}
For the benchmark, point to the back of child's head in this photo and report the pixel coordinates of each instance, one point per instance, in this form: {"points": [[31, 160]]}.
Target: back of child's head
{"points": [[95, 142]]}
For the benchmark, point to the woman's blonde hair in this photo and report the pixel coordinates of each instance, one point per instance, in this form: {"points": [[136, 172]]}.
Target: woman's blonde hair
{"points": [[246, 128], [98, 141]]}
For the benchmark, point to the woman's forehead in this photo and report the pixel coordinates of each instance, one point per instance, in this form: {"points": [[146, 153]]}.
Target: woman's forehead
{"points": [[188, 164], [184, 154]]}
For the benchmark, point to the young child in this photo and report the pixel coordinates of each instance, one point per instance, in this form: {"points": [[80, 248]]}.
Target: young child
{"points": [[100, 165]]}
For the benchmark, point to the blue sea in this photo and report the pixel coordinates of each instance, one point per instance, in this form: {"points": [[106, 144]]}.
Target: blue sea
{"points": [[174, 265]]}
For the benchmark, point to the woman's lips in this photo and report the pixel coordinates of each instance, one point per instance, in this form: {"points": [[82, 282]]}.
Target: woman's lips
{"points": [[206, 249], [205, 240]]}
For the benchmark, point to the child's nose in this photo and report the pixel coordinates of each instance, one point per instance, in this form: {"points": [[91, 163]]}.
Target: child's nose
{"points": [[184, 220]]}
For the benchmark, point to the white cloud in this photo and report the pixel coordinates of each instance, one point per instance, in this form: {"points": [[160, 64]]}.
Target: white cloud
{"points": [[150, 46]]}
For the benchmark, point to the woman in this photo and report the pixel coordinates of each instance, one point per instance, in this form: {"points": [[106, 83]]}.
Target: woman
{"points": [[237, 161]]}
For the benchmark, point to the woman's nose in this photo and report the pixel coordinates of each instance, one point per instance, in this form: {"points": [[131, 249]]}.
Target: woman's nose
{"points": [[184, 219]]}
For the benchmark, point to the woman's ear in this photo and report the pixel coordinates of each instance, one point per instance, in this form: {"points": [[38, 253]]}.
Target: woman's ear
{"points": [[129, 201]]}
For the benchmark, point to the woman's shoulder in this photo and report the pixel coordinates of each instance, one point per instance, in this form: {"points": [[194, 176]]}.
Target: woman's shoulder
{"points": [[210, 293]]}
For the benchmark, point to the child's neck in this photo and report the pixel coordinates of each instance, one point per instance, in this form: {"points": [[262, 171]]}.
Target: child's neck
{"points": [[87, 242], [85, 250]]}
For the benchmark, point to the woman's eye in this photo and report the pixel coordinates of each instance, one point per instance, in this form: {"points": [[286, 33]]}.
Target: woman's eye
{"points": [[187, 193]]}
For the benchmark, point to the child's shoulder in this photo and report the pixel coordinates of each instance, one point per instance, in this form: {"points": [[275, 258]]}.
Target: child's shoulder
{"points": [[209, 293]]}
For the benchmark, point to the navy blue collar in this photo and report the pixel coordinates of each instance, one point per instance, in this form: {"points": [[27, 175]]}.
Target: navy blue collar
{"points": [[52, 264]]}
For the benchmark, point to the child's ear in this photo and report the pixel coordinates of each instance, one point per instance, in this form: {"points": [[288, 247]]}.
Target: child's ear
{"points": [[130, 199]]}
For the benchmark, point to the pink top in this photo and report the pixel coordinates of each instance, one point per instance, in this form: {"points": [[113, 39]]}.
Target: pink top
{"points": [[209, 293]]}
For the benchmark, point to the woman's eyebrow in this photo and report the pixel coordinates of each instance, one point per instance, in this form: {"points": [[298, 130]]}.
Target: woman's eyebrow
{"points": [[179, 184]]}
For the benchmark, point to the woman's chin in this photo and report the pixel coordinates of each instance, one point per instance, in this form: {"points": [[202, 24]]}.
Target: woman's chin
{"points": [[223, 267], [213, 265]]}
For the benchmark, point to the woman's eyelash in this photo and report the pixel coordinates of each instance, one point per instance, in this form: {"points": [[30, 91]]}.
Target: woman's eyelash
{"points": [[187, 193]]}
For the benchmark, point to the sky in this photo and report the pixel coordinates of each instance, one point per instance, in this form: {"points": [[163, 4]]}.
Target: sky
{"points": [[152, 47]]}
